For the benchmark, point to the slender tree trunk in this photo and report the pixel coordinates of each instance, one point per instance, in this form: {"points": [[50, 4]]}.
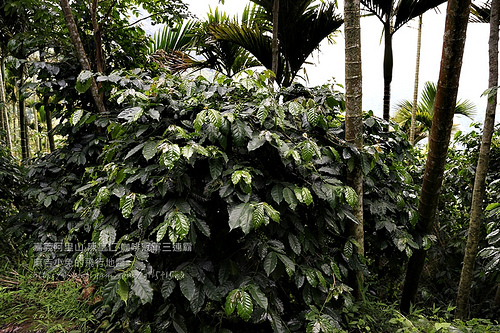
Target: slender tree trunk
{"points": [[99, 58], [23, 127], [80, 52], [479, 190], [3, 100], [275, 43], [388, 64], [354, 122], [457, 15], [38, 139], [48, 118], [415, 88]]}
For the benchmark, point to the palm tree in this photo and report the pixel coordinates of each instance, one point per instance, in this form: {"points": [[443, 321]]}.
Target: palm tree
{"points": [[302, 26], [479, 190], [425, 112], [457, 15], [189, 45], [393, 15], [354, 125]]}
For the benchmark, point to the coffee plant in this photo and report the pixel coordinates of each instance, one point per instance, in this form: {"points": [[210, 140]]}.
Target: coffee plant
{"points": [[222, 206]]}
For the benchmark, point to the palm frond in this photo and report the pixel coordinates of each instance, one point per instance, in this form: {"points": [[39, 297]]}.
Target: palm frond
{"points": [[427, 97], [425, 111], [251, 38], [407, 10], [480, 13], [176, 38], [424, 117], [380, 8], [466, 108]]}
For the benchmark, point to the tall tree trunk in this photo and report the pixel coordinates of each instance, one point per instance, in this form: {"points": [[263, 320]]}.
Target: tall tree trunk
{"points": [[38, 138], [80, 52], [3, 100], [99, 57], [415, 88], [354, 122], [388, 64], [48, 118], [479, 190], [23, 127], [457, 15], [275, 42]]}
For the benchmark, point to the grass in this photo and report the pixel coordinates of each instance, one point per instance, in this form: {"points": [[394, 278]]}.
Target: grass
{"points": [[36, 304]]}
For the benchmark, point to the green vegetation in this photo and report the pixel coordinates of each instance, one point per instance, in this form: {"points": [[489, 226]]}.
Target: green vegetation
{"points": [[177, 203], [32, 303]]}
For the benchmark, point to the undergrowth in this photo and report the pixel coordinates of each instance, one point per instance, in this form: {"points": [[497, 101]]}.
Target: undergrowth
{"points": [[376, 316], [31, 303]]}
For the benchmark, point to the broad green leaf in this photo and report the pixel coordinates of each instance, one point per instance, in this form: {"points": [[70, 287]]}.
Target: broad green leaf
{"points": [[188, 287], [122, 290], [336, 271], [83, 81], [76, 116], [366, 165], [202, 226], [492, 206], [348, 249], [313, 116], [335, 154], [294, 243], [172, 235], [127, 204], [244, 305], [214, 117], [277, 193], [290, 198], [162, 230], [141, 287], [270, 263], [215, 167], [131, 114], [187, 151], [103, 195], [321, 278], [171, 154], [271, 212], [258, 217], [350, 196], [134, 150], [182, 225], [307, 151], [493, 237], [239, 132], [231, 301], [241, 216], [262, 113], [311, 277], [167, 288], [259, 297], [199, 121], [110, 290], [256, 142], [306, 196], [107, 236], [178, 275], [149, 150], [289, 265], [295, 108]]}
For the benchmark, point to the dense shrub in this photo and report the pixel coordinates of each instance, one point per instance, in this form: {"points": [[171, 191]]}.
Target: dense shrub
{"points": [[206, 205]]}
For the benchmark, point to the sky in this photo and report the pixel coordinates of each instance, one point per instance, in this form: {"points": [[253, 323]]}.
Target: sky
{"points": [[327, 64]]}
